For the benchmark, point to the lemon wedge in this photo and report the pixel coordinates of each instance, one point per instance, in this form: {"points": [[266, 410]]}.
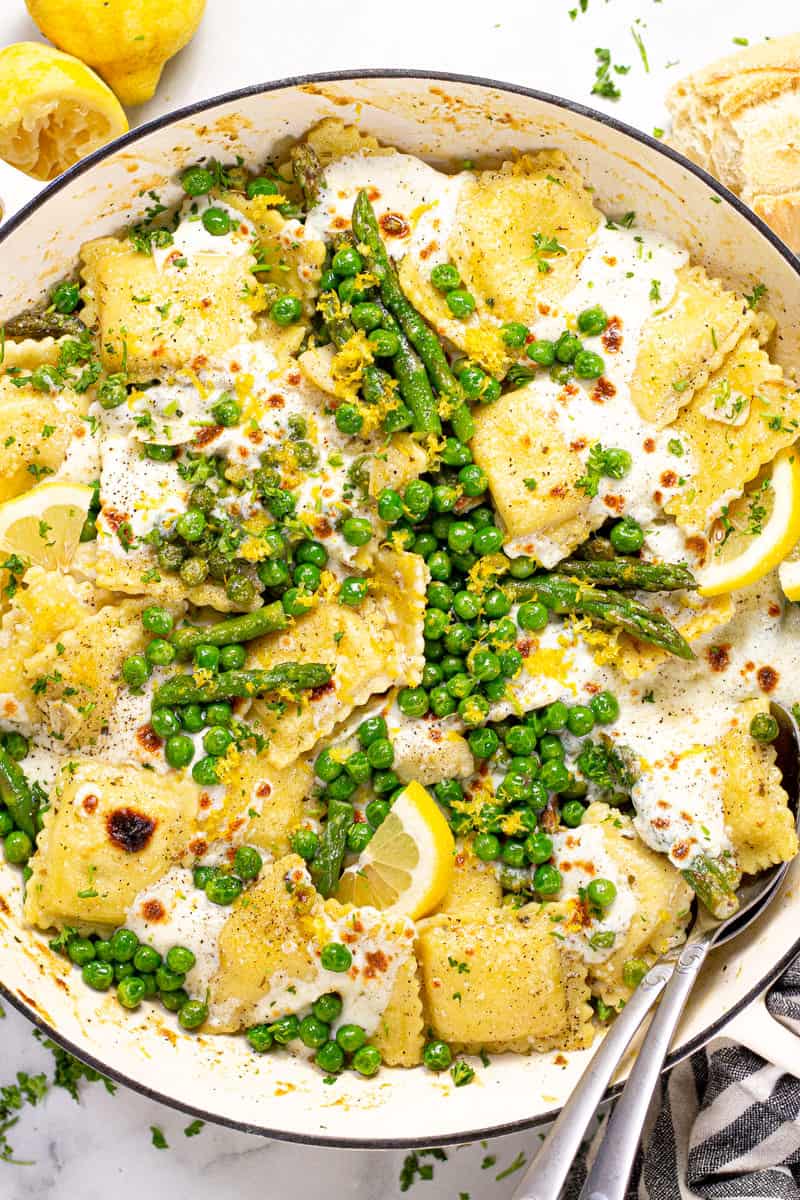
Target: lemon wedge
{"points": [[751, 553], [789, 576], [408, 865], [53, 109], [43, 526], [126, 41]]}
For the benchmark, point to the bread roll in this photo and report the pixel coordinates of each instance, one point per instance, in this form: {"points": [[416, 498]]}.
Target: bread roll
{"points": [[740, 119]]}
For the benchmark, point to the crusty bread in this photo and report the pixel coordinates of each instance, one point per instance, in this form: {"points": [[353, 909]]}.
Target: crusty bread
{"points": [[740, 119]]}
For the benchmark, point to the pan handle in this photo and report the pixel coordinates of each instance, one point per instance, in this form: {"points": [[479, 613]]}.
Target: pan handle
{"points": [[756, 1028], [16, 190]]}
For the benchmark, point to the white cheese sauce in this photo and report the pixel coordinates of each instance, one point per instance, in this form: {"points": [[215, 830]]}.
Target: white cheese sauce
{"points": [[581, 857], [415, 204], [190, 236]]}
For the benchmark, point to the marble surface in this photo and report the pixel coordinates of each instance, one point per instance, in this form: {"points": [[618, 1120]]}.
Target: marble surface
{"points": [[102, 1146]]}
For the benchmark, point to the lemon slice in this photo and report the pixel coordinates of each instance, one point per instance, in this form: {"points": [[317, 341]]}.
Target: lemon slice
{"points": [[53, 109], [789, 576], [766, 525], [408, 865], [43, 526]]}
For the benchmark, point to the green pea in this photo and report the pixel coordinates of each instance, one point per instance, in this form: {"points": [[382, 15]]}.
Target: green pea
{"points": [[473, 480], [473, 710], [350, 1038], [180, 959], [580, 720], [330, 1058], [80, 951], [193, 720], [567, 346], [179, 750], [460, 535], [484, 665], [514, 854], [538, 848], [232, 657], [520, 739], [65, 297], [423, 544], [191, 525], [459, 638], [223, 889], [348, 419], [442, 703], [17, 846], [385, 343], [335, 957], [472, 380], [440, 565], [601, 892], [496, 603], [349, 293], [327, 1008], [327, 767], [547, 880], [366, 316], [359, 835], [562, 372], [448, 791], [588, 365], [460, 302], [342, 788], [124, 944], [261, 186], [618, 463], [605, 707], [445, 277], [384, 782], [313, 1032], [305, 842], [356, 531], [159, 652], [285, 1029], [417, 498], [366, 1061], [440, 595], [376, 812], [380, 754], [592, 321], [455, 453], [197, 181], [260, 1038], [572, 813], [174, 999], [135, 670], [347, 262], [158, 620], [358, 767], [98, 975], [146, 960], [192, 1014], [483, 742], [554, 775], [296, 601], [627, 536], [6, 823], [102, 951], [432, 674], [466, 605], [227, 411], [514, 334], [131, 991], [286, 310], [307, 577], [487, 540], [437, 1056], [412, 702], [542, 352], [353, 591], [764, 727], [435, 623], [634, 971], [555, 716], [390, 505], [247, 862], [216, 221]]}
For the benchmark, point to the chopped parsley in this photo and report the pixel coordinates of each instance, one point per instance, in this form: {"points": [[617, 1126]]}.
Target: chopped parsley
{"points": [[655, 289], [544, 248], [756, 296], [640, 46], [604, 85], [159, 1141], [462, 1073]]}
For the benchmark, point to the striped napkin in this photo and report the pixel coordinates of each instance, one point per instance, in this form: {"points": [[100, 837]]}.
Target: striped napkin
{"points": [[724, 1124]]}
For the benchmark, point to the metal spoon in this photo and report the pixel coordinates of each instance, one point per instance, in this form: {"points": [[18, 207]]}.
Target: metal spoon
{"points": [[611, 1170]]}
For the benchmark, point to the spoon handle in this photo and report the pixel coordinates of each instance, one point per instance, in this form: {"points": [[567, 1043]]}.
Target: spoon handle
{"points": [[547, 1173], [610, 1172]]}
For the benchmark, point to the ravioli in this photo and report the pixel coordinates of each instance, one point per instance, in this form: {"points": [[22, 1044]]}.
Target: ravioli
{"points": [[38, 431], [110, 832]]}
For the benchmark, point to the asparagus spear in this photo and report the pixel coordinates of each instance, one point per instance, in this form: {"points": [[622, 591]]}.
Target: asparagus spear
{"points": [[307, 171], [561, 595], [421, 336], [715, 881], [44, 323], [629, 574], [236, 629], [182, 689], [330, 854], [339, 326], [17, 795], [413, 379]]}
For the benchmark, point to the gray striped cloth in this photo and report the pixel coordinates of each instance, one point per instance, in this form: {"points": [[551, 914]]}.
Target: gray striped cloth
{"points": [[725, 1123]]}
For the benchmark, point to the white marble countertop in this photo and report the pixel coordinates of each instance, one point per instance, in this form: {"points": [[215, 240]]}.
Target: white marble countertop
{"points": [[102, 1146]]}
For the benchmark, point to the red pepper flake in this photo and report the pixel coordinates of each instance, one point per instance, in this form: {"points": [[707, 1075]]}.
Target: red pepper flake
{"points": [[578, 445], [153, 910], [294, 378], [89, 803], [767, 678], [603, 390], [206, 435], [276, 400], [340, 223], [698, 545], [322, 690], [114, 519], [377, 963], [774, 609], [681, 850], [668, 479], [198, 846], [649, 445], [394, 225], [264, 790], [615, 503]]}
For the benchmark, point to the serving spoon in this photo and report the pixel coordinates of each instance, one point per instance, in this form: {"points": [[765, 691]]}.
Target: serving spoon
{"points": [[675, 977]]}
